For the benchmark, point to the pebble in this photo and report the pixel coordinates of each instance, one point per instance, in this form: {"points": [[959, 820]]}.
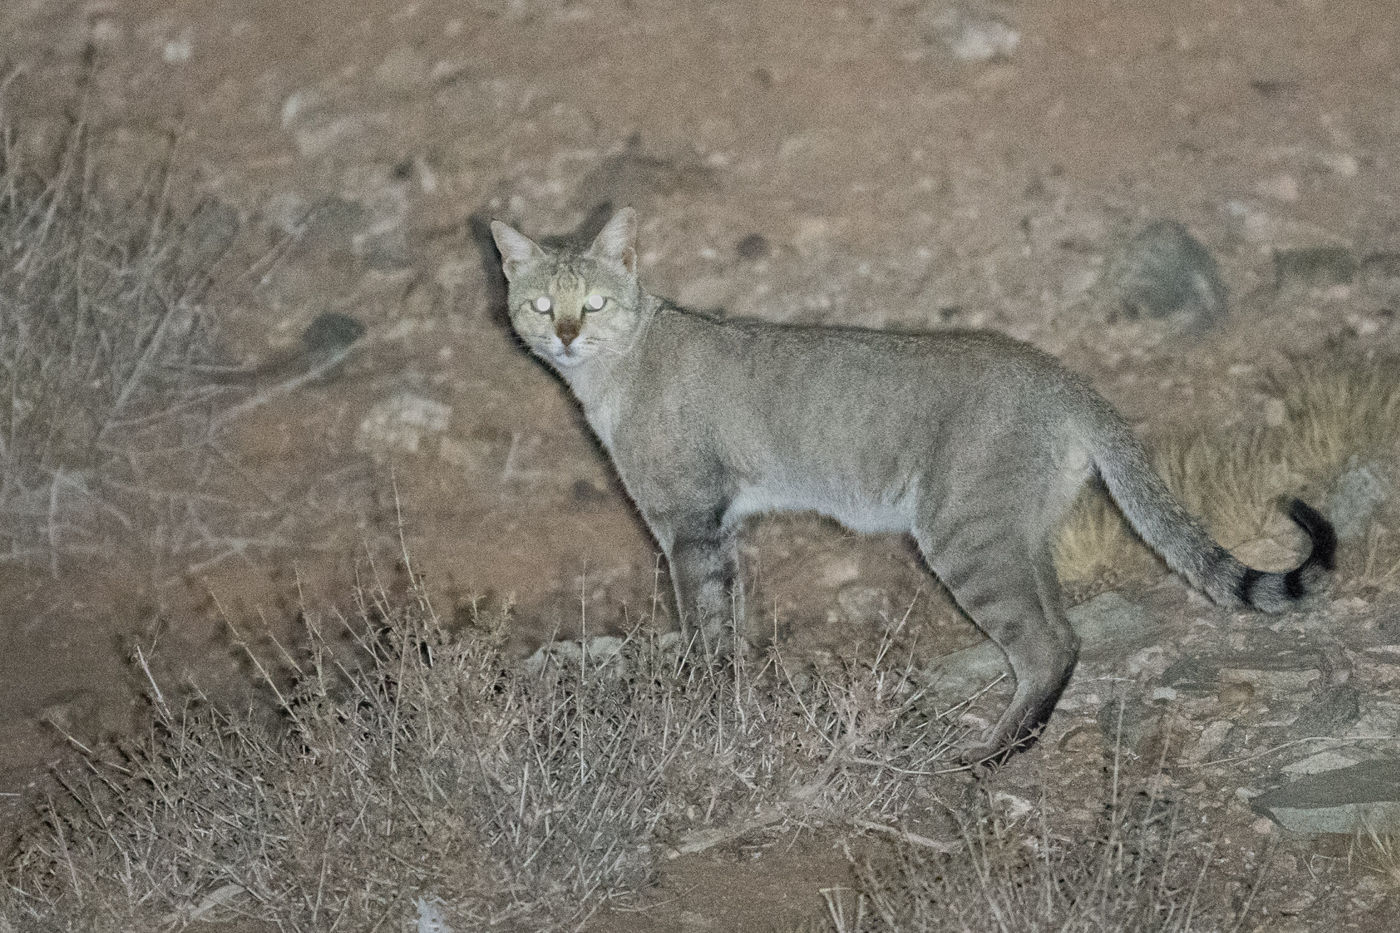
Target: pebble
{"points": [[400, 423], [968, 31], [1314, 266], [1163, 271]]}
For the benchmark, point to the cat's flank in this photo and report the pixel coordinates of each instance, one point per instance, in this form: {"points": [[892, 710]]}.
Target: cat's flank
{"points": [[971, 442]]}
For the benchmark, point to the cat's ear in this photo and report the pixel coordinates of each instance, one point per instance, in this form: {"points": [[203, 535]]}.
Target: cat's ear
{"points": [[516, 248], [617, 241]]}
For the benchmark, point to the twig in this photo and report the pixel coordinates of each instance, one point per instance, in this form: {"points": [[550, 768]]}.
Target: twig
{"points": [[909, 836]]}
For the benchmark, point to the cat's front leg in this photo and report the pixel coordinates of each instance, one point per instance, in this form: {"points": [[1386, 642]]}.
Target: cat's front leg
{"points": [[703, 559]]}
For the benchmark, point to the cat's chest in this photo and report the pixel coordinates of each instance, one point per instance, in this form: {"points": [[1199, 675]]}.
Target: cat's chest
{"points": [[603, 419]]}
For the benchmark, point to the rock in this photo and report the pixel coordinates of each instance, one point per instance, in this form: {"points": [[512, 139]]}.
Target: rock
{"points": [[1354, 498], [1282, 187], [1330, 713], [1108, 625], [969, 31], [209, 233], [1289, 676], [1162, 272], [1314, 266], [1344, 800], [1381, 266], [753, 246], [400, 424], [586, 492], [329, 333], [1111, 627], [1314, 764], [1212, 739], [1126, 722]]}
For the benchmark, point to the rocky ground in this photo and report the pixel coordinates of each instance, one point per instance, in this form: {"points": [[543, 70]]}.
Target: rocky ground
{"points": [[900, 164]]}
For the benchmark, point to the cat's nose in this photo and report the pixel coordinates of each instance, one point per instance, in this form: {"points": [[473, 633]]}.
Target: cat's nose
{"points": [[567, 329]]}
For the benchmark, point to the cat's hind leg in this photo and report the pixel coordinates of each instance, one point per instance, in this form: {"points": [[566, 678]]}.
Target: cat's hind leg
{"points": [[1011, 591]]}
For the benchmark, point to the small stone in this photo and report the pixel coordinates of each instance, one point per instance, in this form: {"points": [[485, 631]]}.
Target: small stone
{"points": [[1283, 187], [1314, 266], [969, 32], [1236, 694], [587, 492], [1381, 266], [1343, 164], [1354, 498], [331, 332], [1316, 764], [1212, 737], [753, 246], [299, 102], [1163, 271], [1277, 681], [178, 50], [401, 423]]}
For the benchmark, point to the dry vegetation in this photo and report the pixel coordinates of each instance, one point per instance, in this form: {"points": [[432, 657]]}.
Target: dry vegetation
{"points": [[1140, 872], [1335, 411], [407, 771], [117, 396], [421, 766], [418, 773], [105, 415]]}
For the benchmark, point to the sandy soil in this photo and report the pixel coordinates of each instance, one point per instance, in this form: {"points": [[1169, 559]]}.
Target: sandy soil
{"points": [[804, 162]]}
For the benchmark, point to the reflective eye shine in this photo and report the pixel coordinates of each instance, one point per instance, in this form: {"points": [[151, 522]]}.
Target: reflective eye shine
{"points": [[543, 305], [595, 302]]}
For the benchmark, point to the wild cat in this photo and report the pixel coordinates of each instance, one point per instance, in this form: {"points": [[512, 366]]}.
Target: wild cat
{"points": [[972, 442]]}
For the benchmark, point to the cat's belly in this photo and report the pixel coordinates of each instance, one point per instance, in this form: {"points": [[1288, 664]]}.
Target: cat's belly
{"points": [[859, 511]]}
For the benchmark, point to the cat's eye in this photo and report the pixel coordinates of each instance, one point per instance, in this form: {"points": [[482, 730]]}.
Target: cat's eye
{"points": [[594, 303], [542, 304]]}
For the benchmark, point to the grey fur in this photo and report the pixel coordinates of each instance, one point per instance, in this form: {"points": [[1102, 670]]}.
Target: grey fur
{"points": [[973, 443]]}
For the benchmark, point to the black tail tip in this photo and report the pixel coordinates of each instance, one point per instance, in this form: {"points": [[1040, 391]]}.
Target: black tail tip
{"points": [[1320, 530]]}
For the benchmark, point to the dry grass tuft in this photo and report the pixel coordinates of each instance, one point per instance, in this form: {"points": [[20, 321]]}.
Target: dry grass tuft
{"points": [[1138, 872], [1334, 410], [422, 768], [113, 422], [1379, 851]]}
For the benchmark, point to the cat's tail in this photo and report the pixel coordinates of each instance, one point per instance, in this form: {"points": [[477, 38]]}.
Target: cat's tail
{"points": [[1163, 522]]}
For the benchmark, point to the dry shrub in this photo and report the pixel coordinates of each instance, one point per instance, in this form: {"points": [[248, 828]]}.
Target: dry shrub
{"points": [[423, 771], [1335, 410], [1140, 871], [114, 415]]}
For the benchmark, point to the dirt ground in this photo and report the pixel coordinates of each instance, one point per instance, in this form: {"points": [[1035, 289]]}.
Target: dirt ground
{"points": [[806, 162]]}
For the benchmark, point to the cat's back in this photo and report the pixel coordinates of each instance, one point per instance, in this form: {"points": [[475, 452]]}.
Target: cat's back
{"points": [[688, 345]]}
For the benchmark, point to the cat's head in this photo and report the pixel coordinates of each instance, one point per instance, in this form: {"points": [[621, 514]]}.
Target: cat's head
{"points": [[570, 306]]}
